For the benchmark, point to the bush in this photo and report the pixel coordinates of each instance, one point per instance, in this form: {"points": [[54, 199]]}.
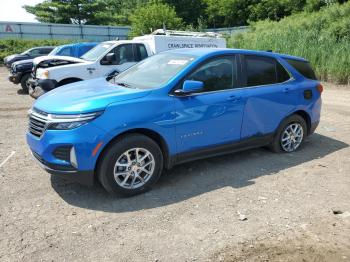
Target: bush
{"points": [[321, 37], [16, 46], [152, 16]]}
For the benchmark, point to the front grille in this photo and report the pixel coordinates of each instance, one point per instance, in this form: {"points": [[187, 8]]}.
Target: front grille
{"points": [[63, 153], [37, 122], [13, 70]]}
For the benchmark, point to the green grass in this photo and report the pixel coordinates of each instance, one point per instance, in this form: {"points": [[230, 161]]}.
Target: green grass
{"points": [[322, 37], [16, 46]]}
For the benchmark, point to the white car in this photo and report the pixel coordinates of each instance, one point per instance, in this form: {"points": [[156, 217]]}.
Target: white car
{"points": [[114, 56]]}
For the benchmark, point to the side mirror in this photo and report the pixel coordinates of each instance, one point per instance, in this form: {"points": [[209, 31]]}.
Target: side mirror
{"points": [[189, 87], [108, 59]]}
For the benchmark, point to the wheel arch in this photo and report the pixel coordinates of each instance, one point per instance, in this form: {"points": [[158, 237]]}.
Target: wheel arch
{"points": [[306, 117], [155, 136], [69, 80]]}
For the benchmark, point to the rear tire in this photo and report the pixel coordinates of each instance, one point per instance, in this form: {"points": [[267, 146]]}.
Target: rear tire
{"points": [[131, 165], [290, 135], [24, 82]]}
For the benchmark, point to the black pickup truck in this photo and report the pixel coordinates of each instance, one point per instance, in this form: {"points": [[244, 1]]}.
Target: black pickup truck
{"points": [[28, 54], [20, 72]]}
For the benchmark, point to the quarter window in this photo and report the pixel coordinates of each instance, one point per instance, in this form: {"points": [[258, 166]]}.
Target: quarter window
{"points": [[264, 71], [217, 74], [303, 68]]}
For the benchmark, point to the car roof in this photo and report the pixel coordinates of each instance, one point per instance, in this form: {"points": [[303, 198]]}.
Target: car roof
{"points": [[79, 44], [36, 47], [223, 51]]}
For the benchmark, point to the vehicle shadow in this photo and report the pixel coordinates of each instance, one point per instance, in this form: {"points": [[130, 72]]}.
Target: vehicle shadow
{"points": [[21, 92], [202, 176]]}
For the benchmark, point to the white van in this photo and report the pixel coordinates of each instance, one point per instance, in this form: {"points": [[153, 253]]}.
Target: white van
{"points": [[114, 56]]}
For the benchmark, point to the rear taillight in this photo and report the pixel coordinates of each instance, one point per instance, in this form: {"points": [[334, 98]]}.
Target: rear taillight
{"points": [[320, 88]]}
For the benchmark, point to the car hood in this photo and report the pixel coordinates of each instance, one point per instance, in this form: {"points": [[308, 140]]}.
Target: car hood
{"points": [[9, 57], [57, 57], [22, 62], [86, 96], [15, 56]]}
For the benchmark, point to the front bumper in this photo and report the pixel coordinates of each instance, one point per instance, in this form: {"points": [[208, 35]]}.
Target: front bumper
{"points": [[81, 177], [313, 127], [45, 84], [84, 140]]}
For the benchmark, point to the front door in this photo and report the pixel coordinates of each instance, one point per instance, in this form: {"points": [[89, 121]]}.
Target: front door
{"points": [[122, 59], [213, 116]]}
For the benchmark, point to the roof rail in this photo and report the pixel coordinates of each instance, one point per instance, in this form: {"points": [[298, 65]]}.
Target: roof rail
{"points": [[185, 33]]}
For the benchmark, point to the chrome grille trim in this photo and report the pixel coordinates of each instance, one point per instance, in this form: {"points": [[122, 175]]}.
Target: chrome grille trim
{"points": [[38, 122]]}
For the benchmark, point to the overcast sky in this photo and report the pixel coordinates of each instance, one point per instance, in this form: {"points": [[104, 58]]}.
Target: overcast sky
{"points": [[11, 10]]}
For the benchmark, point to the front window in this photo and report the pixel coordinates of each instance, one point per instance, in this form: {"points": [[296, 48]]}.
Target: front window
{"points": [[119, 55], [96, 52], [217, 74], [32, 52], [154, 71]]}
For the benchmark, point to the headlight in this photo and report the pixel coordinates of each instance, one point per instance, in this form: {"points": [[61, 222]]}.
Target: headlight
{"points": [[44, 74], [65, 122]]}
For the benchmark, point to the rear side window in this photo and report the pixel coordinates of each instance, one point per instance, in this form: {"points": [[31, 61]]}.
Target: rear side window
{"points": [[303, 67], [264, 71]]}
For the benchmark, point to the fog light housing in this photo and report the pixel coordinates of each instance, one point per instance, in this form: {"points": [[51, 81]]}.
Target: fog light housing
{"points": [[73, 157]]}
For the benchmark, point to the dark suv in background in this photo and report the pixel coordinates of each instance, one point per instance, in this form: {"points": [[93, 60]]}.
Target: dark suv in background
{"points": [[28, 54], [20, 71]]}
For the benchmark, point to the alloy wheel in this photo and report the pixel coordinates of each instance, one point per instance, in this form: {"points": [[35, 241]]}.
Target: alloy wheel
{"points": [[291, 137], [134, 168]]}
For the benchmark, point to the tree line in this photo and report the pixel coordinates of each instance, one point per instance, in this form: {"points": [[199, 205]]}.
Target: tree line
{"points": [[147, 15]]}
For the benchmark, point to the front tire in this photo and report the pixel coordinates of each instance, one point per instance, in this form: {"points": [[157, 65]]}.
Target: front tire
{"points": [[290, 135], [131, 165]]}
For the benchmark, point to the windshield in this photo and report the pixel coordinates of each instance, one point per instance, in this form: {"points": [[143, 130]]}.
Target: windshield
{"points": [[55, 50], [154, 71], [26, 52], [96, 52]]}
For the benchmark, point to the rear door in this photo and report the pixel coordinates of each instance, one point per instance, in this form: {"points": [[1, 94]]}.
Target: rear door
{"points": [[271, 95]]}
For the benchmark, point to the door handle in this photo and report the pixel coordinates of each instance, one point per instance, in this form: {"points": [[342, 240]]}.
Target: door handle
{"points": [[233, 98], [286, 90]]}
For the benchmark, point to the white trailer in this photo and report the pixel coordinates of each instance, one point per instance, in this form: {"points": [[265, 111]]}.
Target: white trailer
{"points": [[114, 56]]}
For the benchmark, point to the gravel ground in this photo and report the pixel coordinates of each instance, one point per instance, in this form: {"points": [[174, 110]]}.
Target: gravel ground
{"points": [[286, 202]]}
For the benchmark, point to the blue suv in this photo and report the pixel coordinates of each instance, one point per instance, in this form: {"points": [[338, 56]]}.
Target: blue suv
{"points": [[171, 108]]}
